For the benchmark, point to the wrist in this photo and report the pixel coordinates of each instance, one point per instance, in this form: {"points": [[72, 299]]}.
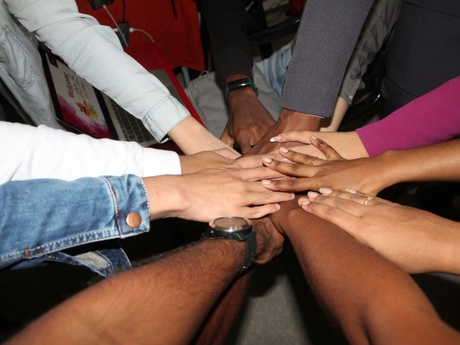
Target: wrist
{"points": [[240, 84], [390, 169], [295, 121], [235, 229], [164, 196]]}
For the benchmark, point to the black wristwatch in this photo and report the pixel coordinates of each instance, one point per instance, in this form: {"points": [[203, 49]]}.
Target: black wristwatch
{"points": [[235, 228], [238, 84]]}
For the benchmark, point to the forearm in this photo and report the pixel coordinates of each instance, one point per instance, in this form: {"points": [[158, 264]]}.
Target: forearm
{"points": [[429, 119], [163, 302], [437, 162], [68, 218], [42, 152], [226, 21], [192, 137], [309, 88], [364, 293]]}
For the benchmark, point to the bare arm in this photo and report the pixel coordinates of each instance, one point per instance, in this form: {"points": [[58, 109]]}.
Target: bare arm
{"points": [[372, 301], [192, 137], [438, 162], [415, 240], [163, 302]]}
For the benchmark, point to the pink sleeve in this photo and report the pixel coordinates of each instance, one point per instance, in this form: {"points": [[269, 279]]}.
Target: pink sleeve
{"points": [[431, 118]]}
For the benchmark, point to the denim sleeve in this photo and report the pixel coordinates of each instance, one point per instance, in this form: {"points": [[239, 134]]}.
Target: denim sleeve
{"points": [[44, 216]]}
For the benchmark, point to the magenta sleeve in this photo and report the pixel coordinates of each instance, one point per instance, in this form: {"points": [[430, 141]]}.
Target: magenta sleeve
{"points": [[431, 118]]}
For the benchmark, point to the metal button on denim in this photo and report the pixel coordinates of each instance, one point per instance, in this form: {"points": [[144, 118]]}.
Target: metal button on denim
{"points": [[133, 219]]}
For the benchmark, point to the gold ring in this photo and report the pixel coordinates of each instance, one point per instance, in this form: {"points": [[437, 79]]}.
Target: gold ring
{"points": [[369, 198]]}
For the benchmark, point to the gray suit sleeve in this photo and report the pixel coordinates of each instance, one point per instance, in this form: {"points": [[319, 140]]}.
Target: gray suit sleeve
{"points": [[327, 35]]}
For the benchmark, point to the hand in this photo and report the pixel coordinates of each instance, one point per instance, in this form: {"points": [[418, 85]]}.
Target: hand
{"points": [[280, 218], [248, 119], [347, 144], [416, 240], [365, 174], [219, 159], [269, 240], [212, 193], [288, 121]]}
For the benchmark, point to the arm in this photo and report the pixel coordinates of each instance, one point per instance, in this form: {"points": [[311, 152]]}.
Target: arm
{"points": [[415, 240], [365, 294], [86, 47], [309, 88], [438, 162], [428, 119], [248, 118], [42, 152], [432, 118], [162, 302]]}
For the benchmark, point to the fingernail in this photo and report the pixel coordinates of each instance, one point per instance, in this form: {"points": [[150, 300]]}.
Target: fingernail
{"points": [[349, 190], [267, 159], [266, 182], [284, 150], [325, 191], [292, 195], [303, 202], [275, 139], [313, 137], [312, 195], [277, 206]]}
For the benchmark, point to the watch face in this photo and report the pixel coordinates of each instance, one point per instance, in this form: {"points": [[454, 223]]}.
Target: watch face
{"points": [[230, 224]]}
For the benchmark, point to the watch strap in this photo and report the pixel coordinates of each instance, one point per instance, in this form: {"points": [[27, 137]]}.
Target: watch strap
{"points": [[249, 240], [238, 84]]}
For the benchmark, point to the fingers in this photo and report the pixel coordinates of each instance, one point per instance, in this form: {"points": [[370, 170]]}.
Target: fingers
{"points": [[350, 201], [299, 158], [296, 170], [300, 136], [257, 174], [328, 151], [325, 208], [227, 138], [292, 184]]}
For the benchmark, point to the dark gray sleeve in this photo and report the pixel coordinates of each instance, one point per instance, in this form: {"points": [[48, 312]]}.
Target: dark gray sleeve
{"points": [[327, 35], [226, 21]]}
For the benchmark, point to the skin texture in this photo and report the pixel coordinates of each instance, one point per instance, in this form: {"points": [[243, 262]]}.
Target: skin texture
{"points": [[211, 193], [248, 119], [437, 162], [415, 240], [160, 302], [371, 300], [191, 137], [288, 121]]}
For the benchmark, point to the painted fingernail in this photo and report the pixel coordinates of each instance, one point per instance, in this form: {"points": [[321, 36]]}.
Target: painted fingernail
{"points": [[312, 195], [275, 139], [349, 190], [325, 191], [284, 150], [267, 159], [303, 202]]}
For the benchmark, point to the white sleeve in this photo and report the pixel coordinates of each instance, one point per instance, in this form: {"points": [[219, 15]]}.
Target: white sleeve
{"points": [[94, 52], [28, 152]]}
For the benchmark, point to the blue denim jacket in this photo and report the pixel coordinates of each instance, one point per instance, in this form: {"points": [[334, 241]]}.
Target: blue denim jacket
{"points": [[40, 219]]}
